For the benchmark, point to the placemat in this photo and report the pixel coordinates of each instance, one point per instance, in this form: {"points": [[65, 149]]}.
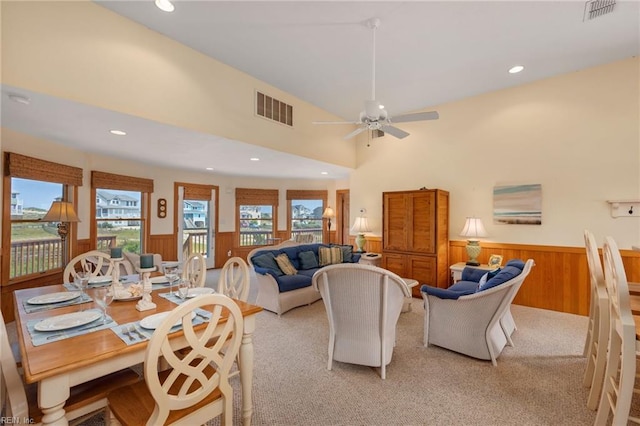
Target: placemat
{"points": [[132, 333], [29, 308], [39, 338], [154, 287]]}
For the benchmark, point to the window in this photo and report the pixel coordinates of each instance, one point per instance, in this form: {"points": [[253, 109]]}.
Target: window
{"points": [[30, 185], [256, 216], [121, 211], [304, 212]]}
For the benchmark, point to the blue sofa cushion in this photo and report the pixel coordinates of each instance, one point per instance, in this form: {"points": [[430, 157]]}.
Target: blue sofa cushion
{"points": [[486, 277], [268, 261], [518, 263], [292, 253], [446, 293], [472, 274], [307, 260], [293, 282], [308, 272], [507, 273], [464, 286]]}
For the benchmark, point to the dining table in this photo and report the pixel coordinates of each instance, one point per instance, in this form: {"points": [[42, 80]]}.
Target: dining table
{"points": [[58, 365]]}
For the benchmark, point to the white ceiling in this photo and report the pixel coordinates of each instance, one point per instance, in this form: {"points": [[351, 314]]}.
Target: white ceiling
{"points": [[428, 53]]}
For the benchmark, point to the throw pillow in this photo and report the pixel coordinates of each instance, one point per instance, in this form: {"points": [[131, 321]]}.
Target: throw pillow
{"points": [[347, 253], [329, 255], [285, 264], [482, 284], [268, 261], [308, 260]]}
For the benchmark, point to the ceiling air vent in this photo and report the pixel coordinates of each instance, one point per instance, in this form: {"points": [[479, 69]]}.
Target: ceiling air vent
{"points": [[596, 8], [273, 109]]}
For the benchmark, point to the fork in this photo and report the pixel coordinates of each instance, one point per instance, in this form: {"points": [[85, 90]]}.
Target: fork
{"points": [[127, 333], [132, 329]]}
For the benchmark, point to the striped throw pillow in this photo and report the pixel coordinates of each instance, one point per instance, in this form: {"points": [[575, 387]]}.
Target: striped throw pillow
{"points": [[285, 264], [329, 255]]}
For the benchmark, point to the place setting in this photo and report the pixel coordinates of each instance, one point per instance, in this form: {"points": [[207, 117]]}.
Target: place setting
{"points": [[185, 291], [48, 301], [140, 331]]}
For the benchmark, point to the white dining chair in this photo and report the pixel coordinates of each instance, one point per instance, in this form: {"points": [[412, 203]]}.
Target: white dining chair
{"points": [[234, 279], [195, 270], [96, 262], [85, 399], [595, 347], [195, 388], [620, 372]]}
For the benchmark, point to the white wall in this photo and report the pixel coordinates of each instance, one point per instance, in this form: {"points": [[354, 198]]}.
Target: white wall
{"points": [[576, 134]]}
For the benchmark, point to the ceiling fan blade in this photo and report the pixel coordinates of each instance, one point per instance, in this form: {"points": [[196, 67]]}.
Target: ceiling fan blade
{"points": [[355, 132], [418, 116], [394, 131], [336, 122]]}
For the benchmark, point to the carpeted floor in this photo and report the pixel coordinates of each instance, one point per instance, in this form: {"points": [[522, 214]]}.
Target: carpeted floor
{"points": [[537, 382]]}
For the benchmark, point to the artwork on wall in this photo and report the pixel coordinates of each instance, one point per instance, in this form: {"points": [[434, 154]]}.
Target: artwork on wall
{"points": [[517, 204]]}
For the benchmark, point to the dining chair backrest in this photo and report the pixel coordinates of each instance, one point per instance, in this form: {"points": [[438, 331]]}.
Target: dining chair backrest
{"points": [[234, 279], [11, 386], [95, 261], [200, 369], [195, 269], [621, 358], [595, 347]]}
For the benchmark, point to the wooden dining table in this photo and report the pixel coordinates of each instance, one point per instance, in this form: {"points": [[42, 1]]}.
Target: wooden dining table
{"points": [[59, 365]]}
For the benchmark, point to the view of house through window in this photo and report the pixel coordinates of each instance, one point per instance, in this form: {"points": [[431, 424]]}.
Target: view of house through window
{"points": [[306, 218], [119, 219], [35, 246], [195, 234], [256, 225]]}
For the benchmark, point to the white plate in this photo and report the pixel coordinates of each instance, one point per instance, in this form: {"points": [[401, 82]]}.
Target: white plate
{"points": [[159, 280], [65, 321], [193, 292], [153, 321], [45, 299], [170, 264], [100, 280]]}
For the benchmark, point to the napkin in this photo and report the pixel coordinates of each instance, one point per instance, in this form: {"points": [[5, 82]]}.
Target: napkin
{"points": [[29, 308], [39, 338]]}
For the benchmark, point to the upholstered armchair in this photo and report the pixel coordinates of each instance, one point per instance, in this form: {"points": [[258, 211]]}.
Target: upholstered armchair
{"points": [[473, 316], [363, 304]]}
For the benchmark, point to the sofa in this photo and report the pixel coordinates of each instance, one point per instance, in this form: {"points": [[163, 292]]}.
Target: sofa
{"points": [[284, 272]]}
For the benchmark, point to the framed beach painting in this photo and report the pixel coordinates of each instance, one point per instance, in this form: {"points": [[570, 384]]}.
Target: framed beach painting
{"points": [[517, 204]]}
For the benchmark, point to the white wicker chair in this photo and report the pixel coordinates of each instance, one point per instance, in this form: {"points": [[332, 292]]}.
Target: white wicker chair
{"points": [[195, 270], [95, 261], [472, 324], [363, 304]]}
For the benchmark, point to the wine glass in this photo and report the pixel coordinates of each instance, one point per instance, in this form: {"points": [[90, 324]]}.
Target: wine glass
{"points": [[103, 298], [183, 288], [171, 272], [81, 282]]}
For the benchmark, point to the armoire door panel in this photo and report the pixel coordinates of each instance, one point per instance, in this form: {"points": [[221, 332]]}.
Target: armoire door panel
{"points": [[395, 212], [423, 227], [396, 263], [423, 269]]}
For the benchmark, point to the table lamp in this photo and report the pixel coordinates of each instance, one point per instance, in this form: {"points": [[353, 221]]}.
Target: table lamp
{"points": [[473, 228], [328, 214], [63, 213], [361, 226]]}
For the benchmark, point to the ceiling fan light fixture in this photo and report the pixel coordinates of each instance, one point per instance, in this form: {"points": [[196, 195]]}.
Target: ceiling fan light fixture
{"points": [[516, 69], [118, 132], [165, 5]]}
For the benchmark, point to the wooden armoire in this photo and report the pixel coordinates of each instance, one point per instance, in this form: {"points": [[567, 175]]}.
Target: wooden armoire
{"points": [[415, 236]]}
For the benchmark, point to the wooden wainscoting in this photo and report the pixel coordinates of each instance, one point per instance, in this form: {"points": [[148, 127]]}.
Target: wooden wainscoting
{"points": [[560, 279], [164, 244], [373, 245]]}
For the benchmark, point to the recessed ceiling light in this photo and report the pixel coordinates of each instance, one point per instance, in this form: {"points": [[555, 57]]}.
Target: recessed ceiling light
{"points": [[324, 173], [165, 5], [209, 168], [117, 132], [516, 69], [20, 99], [254, 159]]}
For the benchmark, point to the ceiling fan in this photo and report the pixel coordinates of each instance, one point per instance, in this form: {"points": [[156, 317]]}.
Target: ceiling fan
{"points": [[374, 116]]}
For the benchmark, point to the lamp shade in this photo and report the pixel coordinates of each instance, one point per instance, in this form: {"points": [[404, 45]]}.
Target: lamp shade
{"points": [[473, 228], [361, 225], [328, 213], [61, 211]]}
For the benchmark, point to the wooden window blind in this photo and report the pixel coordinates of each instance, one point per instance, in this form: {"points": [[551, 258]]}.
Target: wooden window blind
{"points": [[294, 194], [256, 196], [21, 166], [198, 192], [105, 180]]}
